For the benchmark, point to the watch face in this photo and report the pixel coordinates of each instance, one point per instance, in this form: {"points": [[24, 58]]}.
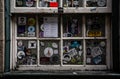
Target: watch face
{"points": [[20, 54], [101, 3], [31, 29], [48, 52]]}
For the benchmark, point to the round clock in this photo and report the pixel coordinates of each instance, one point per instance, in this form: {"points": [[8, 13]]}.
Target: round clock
{"points": [[31, 29], [102, 44], [20, 54], [20, 43], [101, 3], [48, 52]]}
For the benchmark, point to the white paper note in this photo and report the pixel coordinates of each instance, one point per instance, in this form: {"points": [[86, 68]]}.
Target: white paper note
{"points": [[50, 30]]}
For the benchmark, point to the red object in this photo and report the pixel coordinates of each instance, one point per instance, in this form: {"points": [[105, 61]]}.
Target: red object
{"points": [[53, 4]]}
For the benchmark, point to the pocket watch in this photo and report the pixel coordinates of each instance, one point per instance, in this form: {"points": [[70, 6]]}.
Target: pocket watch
{"points": [[101, 3]]}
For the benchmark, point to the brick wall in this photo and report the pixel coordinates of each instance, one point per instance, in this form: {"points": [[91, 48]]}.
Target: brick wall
{"points": [[1, 35]]}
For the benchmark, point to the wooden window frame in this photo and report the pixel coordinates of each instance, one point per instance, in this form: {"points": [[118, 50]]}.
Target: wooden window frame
{"points": [[14, 39]]}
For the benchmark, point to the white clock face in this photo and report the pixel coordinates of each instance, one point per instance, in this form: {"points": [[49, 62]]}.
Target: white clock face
{"points": [[101, 3]]}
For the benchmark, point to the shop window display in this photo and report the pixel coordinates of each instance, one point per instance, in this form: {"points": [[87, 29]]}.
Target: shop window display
{"points": [[80, 41]]}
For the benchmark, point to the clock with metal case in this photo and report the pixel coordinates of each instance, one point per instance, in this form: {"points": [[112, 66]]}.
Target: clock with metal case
{"points": [[101, 3]]}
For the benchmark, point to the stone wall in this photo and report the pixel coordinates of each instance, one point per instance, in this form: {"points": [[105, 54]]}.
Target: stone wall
{"points": [[1, 35]]}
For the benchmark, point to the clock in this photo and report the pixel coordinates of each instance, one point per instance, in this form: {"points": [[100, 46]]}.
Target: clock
{"points": [[48, 52], [101, 3]]}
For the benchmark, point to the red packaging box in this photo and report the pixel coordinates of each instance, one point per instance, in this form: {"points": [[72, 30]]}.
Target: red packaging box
{"points": [[53, 4]]}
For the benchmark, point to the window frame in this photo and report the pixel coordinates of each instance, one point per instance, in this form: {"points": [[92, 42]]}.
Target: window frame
{"points": [[61, 66]]}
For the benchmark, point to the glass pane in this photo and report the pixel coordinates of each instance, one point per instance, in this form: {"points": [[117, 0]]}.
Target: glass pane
{"points": [[73, 52], [72, 3], [96, 3], [95, 52], [49, 52], [26, 26], [72, 26], [48, 3], [25, 3], [48, 27], [26, 52], [95, 25]]}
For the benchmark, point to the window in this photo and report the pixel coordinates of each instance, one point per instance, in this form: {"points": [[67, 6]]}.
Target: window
{"points": [[51, 6], [78, 39]]}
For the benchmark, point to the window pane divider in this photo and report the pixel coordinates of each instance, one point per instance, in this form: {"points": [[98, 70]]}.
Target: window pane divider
{"points": [[37, 35], [26, 38], [95, 37], [84, 45], [72, 38], [108, 47], [61, 41], [15, 44], [49, 38]]}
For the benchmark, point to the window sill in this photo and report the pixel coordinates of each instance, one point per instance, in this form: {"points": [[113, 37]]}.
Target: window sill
{"points": [[63, 73]]}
